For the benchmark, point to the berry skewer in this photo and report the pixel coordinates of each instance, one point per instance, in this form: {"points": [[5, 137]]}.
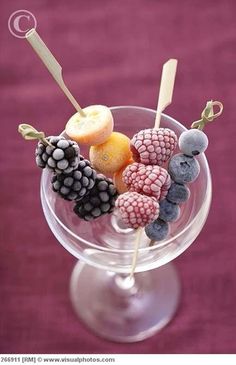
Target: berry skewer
{"points": [[91, 125], [74, 179], [183, 169], [147, 182]]}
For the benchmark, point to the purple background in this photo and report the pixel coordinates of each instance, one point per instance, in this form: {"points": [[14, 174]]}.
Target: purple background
{"points": [[112, 53]]}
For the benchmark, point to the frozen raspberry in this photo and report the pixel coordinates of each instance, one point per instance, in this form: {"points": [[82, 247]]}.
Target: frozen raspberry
{"points": [[153, 146], [137, 210], [146, 179]]}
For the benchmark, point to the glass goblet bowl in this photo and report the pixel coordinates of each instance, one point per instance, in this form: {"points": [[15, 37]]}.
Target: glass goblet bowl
{"points": [[113, 304]]}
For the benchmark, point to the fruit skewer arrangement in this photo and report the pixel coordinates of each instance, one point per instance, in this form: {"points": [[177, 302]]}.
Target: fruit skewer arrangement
{"points": [[73, 178], [149, 182], [168, 186]]}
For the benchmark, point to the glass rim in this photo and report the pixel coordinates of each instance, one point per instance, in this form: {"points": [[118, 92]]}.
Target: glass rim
{"points": [[141, 249]]}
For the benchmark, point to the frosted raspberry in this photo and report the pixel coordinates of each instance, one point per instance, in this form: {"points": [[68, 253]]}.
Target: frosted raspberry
{"points": [[137, 210], [153, 146], [146, 179]]}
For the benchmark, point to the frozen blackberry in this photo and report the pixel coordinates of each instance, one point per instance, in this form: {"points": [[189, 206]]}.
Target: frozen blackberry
{"points": [[77, 184], [100, 199], [60, 155]]}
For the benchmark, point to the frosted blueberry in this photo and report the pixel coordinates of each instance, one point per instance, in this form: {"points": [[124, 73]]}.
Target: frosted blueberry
{"points": [[178, 193], [183, 169], [193, 142]]}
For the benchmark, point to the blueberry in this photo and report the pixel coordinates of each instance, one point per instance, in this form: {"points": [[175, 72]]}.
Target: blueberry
{"points": [[183, 169], [178, 193], [193, 142], [169, 212], [157, 230]]}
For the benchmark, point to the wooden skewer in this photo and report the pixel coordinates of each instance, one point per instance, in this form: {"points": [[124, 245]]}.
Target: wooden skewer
{"points": [[52, 65], [166, 88], [135, 256]]}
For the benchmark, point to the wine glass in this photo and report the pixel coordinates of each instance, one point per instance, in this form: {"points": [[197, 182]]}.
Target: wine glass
{"points": [[111, 303]]}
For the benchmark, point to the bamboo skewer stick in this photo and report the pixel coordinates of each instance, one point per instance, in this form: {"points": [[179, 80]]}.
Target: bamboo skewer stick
{"points": [[135, 256], [166, 88], [52, 65]]}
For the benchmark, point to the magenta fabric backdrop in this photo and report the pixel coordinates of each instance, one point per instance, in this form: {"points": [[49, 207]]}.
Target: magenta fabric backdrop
{"points": [[112, 53]]}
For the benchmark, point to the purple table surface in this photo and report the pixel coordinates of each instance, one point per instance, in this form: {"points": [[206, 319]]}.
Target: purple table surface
{"points": [[112, 53]]}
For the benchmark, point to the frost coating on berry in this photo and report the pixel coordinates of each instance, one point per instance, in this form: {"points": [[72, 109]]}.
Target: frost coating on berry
{"points": [[62, 156], [146, 179], [193, 142], [153, 146], [77, 184], [137, 210], [183, 169], [178, 193], [100, 199]]}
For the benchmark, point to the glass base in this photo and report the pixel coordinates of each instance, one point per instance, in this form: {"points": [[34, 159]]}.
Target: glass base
{"points": [[124, 310]]}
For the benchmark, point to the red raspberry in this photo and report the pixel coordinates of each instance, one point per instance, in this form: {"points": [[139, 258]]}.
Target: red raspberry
{"points": [[153, 146], [137, 210], [146, 179]]}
